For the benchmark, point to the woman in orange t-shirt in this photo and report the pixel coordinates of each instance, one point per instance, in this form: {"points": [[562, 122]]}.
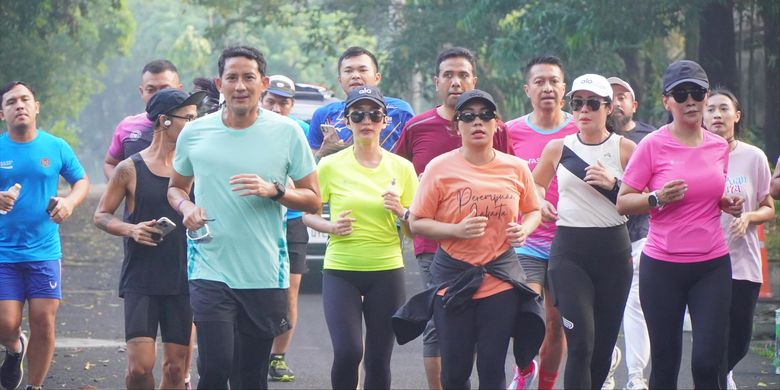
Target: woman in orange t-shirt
{"points": [[469, 200]]}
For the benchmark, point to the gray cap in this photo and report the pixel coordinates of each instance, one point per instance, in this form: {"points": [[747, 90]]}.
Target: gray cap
{"points": [[684, 71], [622, 83]]}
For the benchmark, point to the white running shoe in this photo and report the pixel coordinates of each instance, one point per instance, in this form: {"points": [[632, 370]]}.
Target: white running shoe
{"points": [[609, 383], [636, 382], [730, 384]]}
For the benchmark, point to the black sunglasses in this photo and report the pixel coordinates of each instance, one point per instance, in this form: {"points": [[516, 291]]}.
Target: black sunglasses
{"points": [[376, 116], [593, 104], [187, 118], [680, 95], [469, 117]]}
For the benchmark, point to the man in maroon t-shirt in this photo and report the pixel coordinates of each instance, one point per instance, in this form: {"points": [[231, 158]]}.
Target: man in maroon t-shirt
{"points": [[426, 136]]}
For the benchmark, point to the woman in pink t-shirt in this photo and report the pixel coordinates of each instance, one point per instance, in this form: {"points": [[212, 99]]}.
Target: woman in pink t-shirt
{"points": [[748, 177], [685, 261], [468, 200]]}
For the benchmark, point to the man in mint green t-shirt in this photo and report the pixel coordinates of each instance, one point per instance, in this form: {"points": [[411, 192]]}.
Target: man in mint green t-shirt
{"points": [[241, 158]]}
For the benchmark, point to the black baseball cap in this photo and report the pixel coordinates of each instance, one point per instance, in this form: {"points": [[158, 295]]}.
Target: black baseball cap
{"points": [[684, 71], [365, 93], [169, 99], [475, 94]]}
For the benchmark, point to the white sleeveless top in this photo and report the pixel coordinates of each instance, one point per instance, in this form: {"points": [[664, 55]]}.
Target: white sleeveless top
{"points": [[579, 203]]}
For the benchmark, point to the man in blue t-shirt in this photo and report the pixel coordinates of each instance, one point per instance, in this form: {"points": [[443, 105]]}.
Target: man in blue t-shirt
{"points": [[29, 232], [328, 133], [241, 157]]}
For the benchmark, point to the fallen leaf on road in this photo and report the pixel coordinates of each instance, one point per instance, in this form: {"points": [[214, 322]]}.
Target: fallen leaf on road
{"points": [[761, 384], [88, 365]]}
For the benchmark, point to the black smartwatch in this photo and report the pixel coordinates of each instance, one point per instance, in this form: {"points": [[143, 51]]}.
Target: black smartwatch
{"points": [[653, 201], [280, 189]]}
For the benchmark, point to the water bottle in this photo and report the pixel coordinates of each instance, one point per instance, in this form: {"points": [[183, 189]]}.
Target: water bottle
{"points": [[14, 190]]}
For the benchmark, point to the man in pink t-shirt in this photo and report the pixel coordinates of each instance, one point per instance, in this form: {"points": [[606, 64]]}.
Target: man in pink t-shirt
{"points": [[529, 134], [134, 133], [427, 136]]}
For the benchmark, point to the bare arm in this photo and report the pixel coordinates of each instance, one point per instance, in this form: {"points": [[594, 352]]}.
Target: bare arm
{"points": [[179, 188], [305, 196], [109, 166], [66, 205], [119, 188], [543, 173], [472, 226], [775, 185]]}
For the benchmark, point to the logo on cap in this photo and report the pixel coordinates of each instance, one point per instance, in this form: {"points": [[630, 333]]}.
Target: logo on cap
{"points": [[279, 84], [365, 91]]}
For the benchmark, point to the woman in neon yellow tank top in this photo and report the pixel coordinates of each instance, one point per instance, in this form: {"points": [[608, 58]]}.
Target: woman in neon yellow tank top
{"points": [[368, 190]]}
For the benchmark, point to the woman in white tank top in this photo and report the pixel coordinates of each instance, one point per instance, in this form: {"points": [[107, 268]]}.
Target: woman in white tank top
{"points": [[590, 261]]}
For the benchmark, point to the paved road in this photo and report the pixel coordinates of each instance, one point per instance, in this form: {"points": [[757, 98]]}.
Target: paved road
{"points": [[90, 348]]}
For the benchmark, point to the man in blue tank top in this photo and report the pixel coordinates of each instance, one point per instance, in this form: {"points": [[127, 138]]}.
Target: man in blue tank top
{"points": [[153, 282], [29, 232]]}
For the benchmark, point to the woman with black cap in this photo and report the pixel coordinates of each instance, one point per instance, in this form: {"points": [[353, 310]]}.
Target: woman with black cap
{"points": [[468, 201], [369, 190], [685, 261], [590, 258]]}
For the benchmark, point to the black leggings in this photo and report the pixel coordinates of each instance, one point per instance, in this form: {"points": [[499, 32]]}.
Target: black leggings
{"points": [[590, 274], [744, 295], [665, 288], [226, 344], [348, 297], [484, 326]]}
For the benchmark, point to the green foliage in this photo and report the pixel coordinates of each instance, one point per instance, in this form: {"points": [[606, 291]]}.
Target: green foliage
{"points": [[60, 48]]}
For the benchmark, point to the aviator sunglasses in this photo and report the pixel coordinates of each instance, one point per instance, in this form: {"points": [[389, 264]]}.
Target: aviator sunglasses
{"points": [[680, 95], [593, 104], [376, 116], [469, 117]]}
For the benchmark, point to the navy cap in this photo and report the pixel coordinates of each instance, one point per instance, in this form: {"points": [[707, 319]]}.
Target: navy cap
{"points": [[168, 100], [474, 94], [365, 93], [684, 71]]}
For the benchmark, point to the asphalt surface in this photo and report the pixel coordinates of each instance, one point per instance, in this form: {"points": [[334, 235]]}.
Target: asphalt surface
{"points": [[90, 348]]}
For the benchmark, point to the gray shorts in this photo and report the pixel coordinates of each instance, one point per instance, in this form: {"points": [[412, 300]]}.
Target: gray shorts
{"points": [[430, 336], [535, 269]]}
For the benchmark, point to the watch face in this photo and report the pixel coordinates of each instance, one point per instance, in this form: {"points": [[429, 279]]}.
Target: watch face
{"points": [[653, 199]]}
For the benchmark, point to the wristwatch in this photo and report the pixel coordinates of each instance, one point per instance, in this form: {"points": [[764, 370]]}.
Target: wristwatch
{"points": [[653, 200], [280, 189], [406, 215]]}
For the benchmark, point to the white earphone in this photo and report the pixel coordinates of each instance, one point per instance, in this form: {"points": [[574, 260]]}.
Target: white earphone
{"points": [[167, 122]]}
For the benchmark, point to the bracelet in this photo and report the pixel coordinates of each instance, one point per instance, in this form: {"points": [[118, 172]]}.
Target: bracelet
{"points": [[178, 205]]}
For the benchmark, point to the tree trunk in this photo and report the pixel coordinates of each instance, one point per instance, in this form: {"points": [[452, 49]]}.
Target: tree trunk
{"points": [[770, 13], [717, 48]]}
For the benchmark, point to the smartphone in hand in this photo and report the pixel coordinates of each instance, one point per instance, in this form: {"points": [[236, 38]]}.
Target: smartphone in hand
{"points": [[329, 132], [52, 204], [166, 225]]}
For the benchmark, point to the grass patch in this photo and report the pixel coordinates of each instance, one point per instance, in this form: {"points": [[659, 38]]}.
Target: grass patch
{"points": [[772, 235], [764, 348]]}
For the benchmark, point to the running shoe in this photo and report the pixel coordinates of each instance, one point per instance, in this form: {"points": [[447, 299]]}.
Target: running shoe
{"points": [[278, 370], [522, 380], [609, 383], [636, 382], [730, 384], [12, 371]]}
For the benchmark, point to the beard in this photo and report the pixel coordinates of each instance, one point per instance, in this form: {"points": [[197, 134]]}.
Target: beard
{"points": [[620, 120]]}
